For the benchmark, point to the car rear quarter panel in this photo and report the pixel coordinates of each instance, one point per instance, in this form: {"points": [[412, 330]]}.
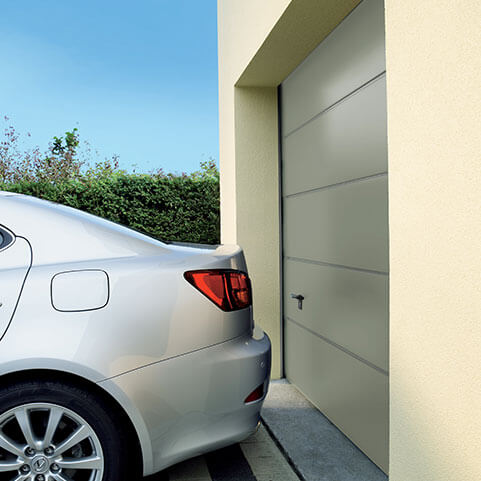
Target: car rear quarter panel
{"points": [[152, 314]]}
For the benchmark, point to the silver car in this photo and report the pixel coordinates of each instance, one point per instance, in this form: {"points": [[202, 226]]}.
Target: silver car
{"points": [[119, 355]]}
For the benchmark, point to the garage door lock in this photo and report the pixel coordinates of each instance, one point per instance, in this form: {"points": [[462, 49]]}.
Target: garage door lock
{"points": [[299, 298]]}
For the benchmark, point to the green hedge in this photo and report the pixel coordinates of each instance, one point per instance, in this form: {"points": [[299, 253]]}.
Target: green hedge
{"points": [[171, 208]]}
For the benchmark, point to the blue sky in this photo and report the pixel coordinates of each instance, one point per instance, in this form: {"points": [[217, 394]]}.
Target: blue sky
{"points": [[139, 79]]}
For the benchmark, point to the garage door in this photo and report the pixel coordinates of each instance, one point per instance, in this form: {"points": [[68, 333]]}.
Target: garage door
{"points": [[335, 222]]}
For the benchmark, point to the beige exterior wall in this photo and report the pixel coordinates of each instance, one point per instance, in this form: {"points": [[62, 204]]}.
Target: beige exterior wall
{"points": [[434, 132], [242, 28], [257, 204], [434, 120]]}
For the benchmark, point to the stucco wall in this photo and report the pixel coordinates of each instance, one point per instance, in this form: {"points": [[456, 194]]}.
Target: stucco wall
{"points": [[242, 28], [257, 201], [434, 133]]}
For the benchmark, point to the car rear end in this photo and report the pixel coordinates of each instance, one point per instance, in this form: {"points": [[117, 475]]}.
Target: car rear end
{"points": [[208, 391]]}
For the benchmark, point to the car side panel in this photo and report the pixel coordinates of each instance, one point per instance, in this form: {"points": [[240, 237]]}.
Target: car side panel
{"points": [[15, 262], [152, 314]]}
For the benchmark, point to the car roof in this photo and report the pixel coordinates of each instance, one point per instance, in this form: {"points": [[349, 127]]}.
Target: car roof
{"points": [[59, 233]]}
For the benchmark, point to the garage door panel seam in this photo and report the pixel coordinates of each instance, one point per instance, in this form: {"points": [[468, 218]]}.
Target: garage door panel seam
{"points": [[341, 348], [337, 184], [337, 266], [337, 102]]}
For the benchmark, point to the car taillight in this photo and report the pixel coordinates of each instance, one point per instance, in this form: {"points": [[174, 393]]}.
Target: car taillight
{"points": [[229, 290], [255, 395]]}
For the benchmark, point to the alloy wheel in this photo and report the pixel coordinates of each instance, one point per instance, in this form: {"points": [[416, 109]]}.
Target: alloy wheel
{"points": [[47, 442]]}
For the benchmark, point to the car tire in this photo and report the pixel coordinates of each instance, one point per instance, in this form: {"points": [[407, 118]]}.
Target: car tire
{"points": [[29, 412]]}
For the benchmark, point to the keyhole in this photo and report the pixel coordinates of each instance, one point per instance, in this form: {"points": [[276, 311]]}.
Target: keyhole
{"points": [[299, 298]]}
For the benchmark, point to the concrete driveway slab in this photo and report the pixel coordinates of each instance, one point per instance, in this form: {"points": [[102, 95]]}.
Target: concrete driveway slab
{"points": [[315, 447]]}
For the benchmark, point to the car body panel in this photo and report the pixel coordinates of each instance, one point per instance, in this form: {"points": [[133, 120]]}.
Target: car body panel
{"points": [[147, 291], [15, 261], [194, 403], [153, 314]]}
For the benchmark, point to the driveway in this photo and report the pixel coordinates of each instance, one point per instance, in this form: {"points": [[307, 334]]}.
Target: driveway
{"points": [[255, 459]]}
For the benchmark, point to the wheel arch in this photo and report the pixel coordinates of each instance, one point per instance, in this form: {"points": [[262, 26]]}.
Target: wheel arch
{"points": [[107, 391]]}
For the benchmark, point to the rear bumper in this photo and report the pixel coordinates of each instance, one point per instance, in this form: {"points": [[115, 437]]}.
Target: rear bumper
{"points": [[194, 403]]}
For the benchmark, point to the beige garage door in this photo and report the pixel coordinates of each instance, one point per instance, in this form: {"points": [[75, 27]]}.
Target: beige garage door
{"points": [[335, 211]]}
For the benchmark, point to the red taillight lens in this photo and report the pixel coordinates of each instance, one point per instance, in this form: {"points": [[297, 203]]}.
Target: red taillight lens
{"points": [[229, 290], [255, 395]]}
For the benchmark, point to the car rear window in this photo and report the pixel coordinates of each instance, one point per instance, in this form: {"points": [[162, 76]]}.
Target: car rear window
{"points": [[6, 238]]}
